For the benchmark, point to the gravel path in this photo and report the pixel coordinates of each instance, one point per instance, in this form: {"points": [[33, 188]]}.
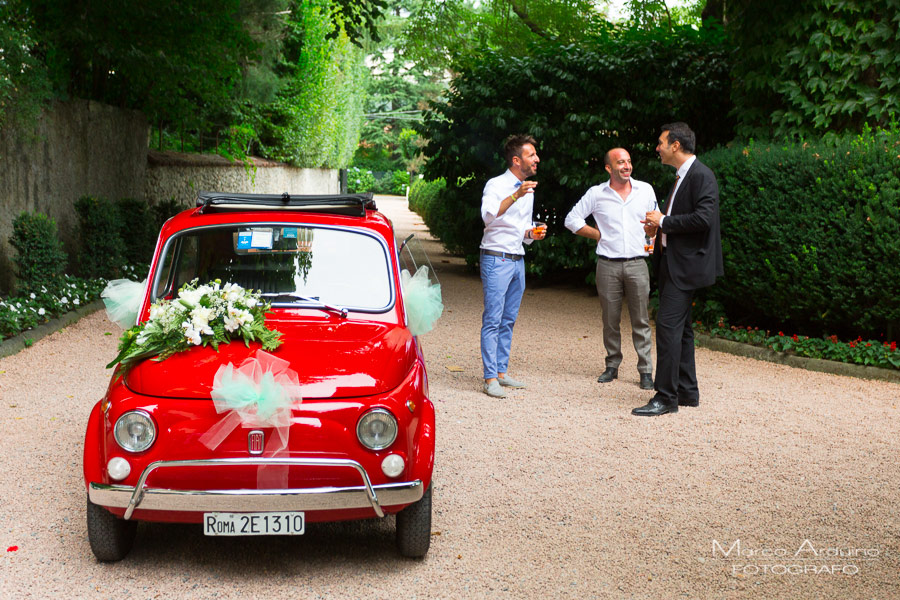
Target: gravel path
{"points": [[555, 492]]}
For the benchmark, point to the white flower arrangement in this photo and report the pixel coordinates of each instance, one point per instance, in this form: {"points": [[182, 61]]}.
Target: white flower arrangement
{"points": [[209, 314]]}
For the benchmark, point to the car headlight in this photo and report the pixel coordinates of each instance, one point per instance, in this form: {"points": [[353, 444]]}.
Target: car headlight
{"points": [[135, 431], [377, 429]]}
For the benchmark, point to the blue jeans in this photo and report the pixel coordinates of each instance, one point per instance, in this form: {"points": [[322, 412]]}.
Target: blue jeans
{"points": [[503, 282]]}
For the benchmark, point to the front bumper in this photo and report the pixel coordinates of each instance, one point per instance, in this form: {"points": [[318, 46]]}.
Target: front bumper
{"points": [[256, 500]]}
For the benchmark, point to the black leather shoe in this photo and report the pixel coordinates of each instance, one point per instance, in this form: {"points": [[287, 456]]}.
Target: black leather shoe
{"points": [[654, 408], [608, 375], [687, 402], [646, 381]]}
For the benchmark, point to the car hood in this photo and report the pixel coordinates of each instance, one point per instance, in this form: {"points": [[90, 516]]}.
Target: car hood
{"points": [[335, 359]]}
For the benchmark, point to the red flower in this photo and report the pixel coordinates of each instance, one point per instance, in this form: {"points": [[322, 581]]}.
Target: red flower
{"points": [[781, 334], [868, 344], [893, 346], [795, 338], [859, 339], [853, 344]]}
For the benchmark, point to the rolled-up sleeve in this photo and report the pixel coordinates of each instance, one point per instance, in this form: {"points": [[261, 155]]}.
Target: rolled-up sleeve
{"points": [[577, 217], [490, 202]]}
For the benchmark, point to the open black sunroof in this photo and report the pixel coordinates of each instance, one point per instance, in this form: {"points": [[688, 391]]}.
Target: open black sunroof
{"points": [[353, 205]]}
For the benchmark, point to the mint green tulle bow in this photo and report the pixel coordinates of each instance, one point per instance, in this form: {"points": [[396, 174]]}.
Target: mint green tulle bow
{"points": [[260, 393], [422, 300], [122, 298]]}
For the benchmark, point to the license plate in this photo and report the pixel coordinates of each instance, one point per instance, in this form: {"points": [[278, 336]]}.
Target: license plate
{"points": [[264, 523]]}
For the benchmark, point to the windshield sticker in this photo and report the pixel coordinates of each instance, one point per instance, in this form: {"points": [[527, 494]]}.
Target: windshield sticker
{"points": [[244, 240], [289, 233], [261, 240]]}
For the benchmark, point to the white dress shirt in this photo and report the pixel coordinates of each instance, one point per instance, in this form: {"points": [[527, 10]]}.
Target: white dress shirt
{"points": [[619, 221], [680, 173], [506, 232]]}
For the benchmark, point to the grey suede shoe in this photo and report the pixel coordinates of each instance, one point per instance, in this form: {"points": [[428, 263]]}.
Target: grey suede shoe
{"points": [[510, 382], [494, 390]]}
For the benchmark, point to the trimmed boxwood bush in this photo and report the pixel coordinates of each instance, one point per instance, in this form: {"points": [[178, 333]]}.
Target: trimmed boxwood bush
{"points": [[102, 249], [810, 235], [422, 196], [138, 229], [41, 260]]}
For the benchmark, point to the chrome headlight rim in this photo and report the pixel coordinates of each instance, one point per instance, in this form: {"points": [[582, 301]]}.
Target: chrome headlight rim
{"points": [[136, 449], [367, 417]]}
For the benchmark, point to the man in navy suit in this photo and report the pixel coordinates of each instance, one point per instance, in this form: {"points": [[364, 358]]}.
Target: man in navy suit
{"points": [[687, 256]]}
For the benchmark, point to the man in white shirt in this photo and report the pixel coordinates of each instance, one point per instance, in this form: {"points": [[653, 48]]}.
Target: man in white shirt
{"points": [[619, 206], [506, 209]]}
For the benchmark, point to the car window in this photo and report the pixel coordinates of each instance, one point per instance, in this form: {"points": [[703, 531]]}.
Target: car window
{"points": [[285, 262]]}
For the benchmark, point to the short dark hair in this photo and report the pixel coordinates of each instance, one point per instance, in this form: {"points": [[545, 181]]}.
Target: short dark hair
{"points": [[513, 146], [681, 133], [607, 161]]}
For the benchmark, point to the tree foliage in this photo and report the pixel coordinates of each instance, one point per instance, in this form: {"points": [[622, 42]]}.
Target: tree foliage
{"points": [[578, 100], [450, 34], [316, 117], [397, 91], [201, 69], [823, 66], [24, 86]]}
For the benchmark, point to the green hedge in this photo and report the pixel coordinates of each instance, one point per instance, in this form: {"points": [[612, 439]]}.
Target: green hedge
{"points": [[40, 261], [115, 234], [810, 235], [423, 196], [578, 101]]}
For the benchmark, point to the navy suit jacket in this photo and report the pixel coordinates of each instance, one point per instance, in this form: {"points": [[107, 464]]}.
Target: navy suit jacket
{"points": [[693, 237]]}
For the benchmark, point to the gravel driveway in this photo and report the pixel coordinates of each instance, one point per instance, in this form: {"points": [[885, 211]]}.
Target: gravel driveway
{"points": [[782, 484]]}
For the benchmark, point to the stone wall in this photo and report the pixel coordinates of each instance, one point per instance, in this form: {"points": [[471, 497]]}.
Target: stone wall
{"points": [[182, 176], [76, 149], [84, 148]]}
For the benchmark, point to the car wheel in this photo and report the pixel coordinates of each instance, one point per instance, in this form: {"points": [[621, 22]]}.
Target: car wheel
{"points": [[111, 538], [414, 527]]}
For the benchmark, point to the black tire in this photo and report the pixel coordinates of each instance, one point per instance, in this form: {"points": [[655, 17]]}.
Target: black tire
{"points": [[414, 527], [111, 538]]}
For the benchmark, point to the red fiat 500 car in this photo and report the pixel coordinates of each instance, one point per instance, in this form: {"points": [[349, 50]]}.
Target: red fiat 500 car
{"points": [[359, 445]]}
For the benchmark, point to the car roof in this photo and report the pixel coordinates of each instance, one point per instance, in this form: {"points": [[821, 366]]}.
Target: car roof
{"points": [[343, 210]]}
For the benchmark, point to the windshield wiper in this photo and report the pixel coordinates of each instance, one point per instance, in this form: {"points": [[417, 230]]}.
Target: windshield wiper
{"points": [[311, 299]]}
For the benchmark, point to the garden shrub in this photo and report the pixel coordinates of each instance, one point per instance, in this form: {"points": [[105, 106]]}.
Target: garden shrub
{"points": [[810, 235], [162, 211], [360, 181], [138, 230], [422, 196], [399, 181], [102, 249], [578, 100], [41, 260]]}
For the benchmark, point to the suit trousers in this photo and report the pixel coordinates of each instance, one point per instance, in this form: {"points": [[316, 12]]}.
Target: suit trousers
{"points": [[676, 373], [629, 280]]}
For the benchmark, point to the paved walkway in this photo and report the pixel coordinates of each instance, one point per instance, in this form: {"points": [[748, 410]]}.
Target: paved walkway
{"points": [[556, 492]]}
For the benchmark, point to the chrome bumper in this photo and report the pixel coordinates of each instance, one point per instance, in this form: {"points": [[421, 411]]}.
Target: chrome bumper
{"points": [[305, 499]]}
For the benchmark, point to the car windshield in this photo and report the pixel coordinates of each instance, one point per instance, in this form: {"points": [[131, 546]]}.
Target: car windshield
{"points": [[289, 264]]}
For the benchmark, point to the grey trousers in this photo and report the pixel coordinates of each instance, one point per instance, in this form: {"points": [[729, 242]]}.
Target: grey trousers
{"points": [[629, 280]]}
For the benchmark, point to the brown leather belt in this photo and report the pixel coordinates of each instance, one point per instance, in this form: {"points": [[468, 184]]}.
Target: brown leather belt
{"points": [[503, 254]]}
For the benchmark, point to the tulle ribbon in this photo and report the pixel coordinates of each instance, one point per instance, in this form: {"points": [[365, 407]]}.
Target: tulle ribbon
{"points": [[260, 393], [122, 298], [422, 300]]}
